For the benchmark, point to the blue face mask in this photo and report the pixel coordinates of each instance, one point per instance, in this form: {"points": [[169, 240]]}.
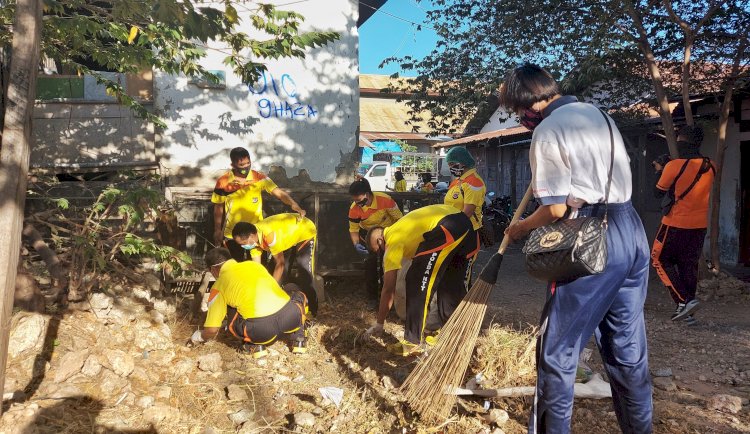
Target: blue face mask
{"points": [[248, 246]]}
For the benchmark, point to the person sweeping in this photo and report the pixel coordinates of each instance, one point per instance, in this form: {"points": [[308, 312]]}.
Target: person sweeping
{"points": [[435, 238]]}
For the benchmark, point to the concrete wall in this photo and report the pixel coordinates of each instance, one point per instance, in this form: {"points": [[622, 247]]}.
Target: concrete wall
{"points": [[302, 114], [495, 123]]}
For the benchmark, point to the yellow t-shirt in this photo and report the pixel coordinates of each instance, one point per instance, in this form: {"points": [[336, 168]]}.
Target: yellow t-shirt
{"points": [[246, 286], [280, 232], [469, 189], [403, 238], [383, 212], [242, 203], [400, 185]]}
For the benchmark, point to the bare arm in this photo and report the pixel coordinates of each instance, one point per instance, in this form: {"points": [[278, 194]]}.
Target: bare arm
{"points": [[218, 221], [469, 210], [284, 197], [544, 215], [387, 294], [278, 271], [209, 333], [355, 237]]}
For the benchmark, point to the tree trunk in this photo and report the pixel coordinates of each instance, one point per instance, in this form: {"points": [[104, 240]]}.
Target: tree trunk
{"points": [[719, 159], [14, 154], [686, 80]]}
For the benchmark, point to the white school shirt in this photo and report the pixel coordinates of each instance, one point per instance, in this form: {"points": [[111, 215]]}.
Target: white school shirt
{"points": [[570, 156]]}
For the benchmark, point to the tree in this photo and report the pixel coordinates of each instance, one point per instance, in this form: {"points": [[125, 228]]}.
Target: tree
{"points": [[617, 53], [128, 36]]}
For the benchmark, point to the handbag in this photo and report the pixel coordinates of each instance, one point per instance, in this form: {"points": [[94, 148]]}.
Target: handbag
{"points": [[571, 248]]}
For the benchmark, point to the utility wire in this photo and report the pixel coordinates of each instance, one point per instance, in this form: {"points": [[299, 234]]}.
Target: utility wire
{"points": [[419, 25]]}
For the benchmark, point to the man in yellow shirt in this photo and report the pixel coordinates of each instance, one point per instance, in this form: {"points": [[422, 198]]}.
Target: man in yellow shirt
{"points": [[258, 311], [290, 239], [466, 193], [237, 198], [400, 184], [435, 238], [367, 211]]}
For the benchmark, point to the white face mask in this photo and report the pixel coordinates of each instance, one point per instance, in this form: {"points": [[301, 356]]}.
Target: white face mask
{"points": [[249, 246]]}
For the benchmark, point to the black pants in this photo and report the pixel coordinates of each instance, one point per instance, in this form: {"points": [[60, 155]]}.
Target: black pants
{"points": [[439, 265], [374, 274], [675, 256], [288, 321], [299, 268]]}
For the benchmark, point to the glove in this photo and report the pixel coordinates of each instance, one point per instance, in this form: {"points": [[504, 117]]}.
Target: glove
{"points": [[361, 249], [376, 329], [197, 338]]}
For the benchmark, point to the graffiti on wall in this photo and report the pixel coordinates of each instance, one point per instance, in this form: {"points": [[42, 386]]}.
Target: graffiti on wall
{"points": [[278, 98]]}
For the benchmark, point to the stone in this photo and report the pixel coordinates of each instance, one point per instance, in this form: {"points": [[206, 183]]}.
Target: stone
{"points": [[236, 393], [141, 293], [62, 391], [701, 378], [91, 367], [249, 427], [27, 333], [160, 412], [725, 403], [389, 383], [100, 303], [304, 419], [161, 358], [164, 307], [241, 417], [153, 339], [112, 383], [70, 364], [664, 383], [497, 431], [278, 378], [183, 367], [145, 401], [210, 362], [163, 392], [152, 282], [157, 317], [497, 416], [120, 362], [662, 372]]}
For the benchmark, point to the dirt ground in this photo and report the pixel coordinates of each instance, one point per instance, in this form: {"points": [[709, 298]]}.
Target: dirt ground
{"points": [[708, 359]]}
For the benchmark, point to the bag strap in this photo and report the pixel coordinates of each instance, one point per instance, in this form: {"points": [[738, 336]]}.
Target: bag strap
{"points": [[705, 167], [679, 174], [611, 164]]}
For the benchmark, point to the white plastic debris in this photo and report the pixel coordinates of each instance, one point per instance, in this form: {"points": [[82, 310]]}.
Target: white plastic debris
{"points": [[333, 394]]}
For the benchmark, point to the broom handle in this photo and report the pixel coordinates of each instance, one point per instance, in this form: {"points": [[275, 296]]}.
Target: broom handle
{"points": [[517, 215]]}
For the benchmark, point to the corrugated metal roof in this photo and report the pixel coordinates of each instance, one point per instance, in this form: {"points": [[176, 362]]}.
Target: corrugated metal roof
{"points": [[387, 115], [507, 132]]}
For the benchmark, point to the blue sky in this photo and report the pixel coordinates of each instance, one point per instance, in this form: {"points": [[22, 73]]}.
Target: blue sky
{"points": [[384, 36]]}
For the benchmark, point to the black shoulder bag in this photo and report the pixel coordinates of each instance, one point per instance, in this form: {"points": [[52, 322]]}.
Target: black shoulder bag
{"points": [[571, 248]]}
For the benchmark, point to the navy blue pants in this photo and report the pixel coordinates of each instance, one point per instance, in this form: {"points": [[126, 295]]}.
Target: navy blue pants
{"points": [[610, 305]]}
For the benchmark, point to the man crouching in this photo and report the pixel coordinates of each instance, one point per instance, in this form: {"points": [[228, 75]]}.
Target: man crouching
{"points": [[257, 309]]}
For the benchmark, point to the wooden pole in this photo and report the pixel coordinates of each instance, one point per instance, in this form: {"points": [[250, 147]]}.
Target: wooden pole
{"points": [[14, 155]]}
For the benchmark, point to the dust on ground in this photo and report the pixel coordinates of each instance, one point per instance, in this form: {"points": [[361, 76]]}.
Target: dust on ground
{"points": [[119, 364]]}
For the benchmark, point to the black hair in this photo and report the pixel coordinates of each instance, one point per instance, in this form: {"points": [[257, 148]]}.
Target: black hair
{"points": [[526, 85], [217, 256], [398, 175], [369, 236], [243, 229], [693, 134], [360, 186], [426, 177], [663, 159], [238, 154]]}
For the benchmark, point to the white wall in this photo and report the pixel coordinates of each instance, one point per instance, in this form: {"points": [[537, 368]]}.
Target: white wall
{"points": [[494, 123], [304, 121]]}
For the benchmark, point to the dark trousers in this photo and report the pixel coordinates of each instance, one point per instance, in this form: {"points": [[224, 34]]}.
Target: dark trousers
{"points": [[471, 256], [288, 321], [374, 274], [437, 267], [675, 257], [299, 268], [609, 305]]}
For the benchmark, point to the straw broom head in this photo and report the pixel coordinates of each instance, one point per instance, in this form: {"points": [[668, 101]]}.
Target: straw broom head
{"points": [[429, 387]]}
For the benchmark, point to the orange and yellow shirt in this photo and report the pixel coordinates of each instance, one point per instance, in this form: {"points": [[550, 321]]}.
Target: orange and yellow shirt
{"points": [[241, 198], [383, 212], [281, 232], [469, 189]]}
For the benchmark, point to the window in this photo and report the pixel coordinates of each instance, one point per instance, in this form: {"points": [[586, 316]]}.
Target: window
{"points": [[378, 170]]}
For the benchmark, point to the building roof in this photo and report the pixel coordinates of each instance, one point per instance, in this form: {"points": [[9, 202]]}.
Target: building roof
{"points": [[507, 132]]}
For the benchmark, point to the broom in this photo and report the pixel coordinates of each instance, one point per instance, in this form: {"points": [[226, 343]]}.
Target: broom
{"points": [[429, 387]]}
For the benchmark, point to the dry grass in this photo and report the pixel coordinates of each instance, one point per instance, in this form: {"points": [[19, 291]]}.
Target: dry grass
{"points": [[505, 357]]}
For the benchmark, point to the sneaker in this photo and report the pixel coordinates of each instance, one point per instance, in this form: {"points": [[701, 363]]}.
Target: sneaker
{"points": [[404, 348], [678, 310], [299, 347], [431, 340], [257, 351], [690, 320], [687, 309]]}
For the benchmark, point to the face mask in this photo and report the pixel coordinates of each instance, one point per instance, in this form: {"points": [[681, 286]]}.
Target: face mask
{"points": [[362, 202], [249, 246], [531, 119], [457, 171], [242, 172]]}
